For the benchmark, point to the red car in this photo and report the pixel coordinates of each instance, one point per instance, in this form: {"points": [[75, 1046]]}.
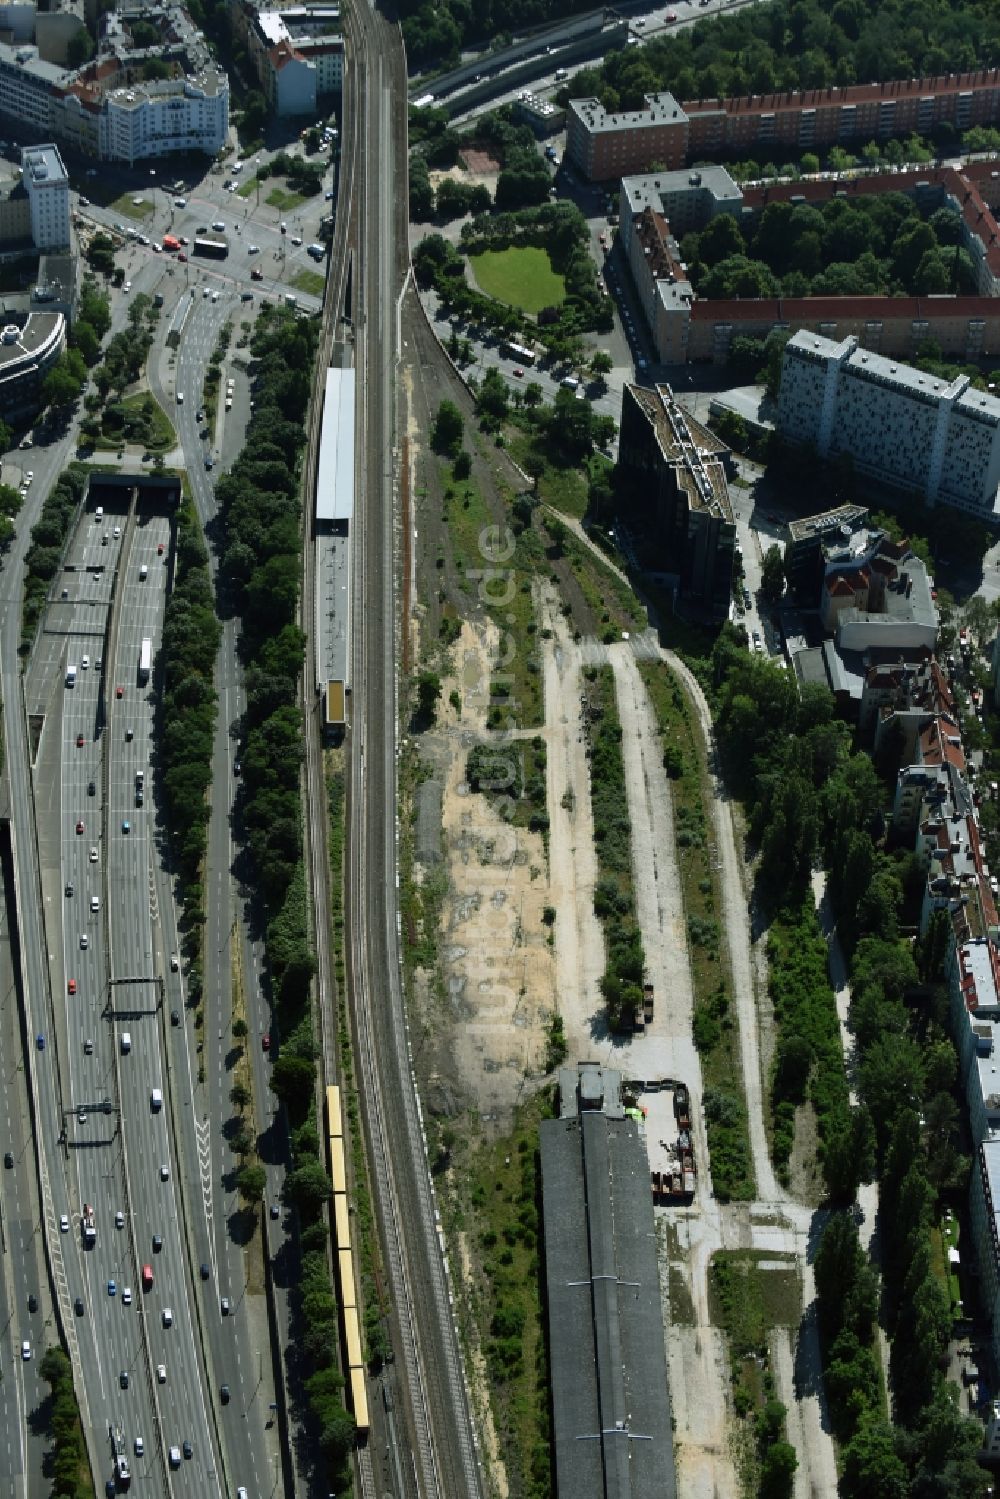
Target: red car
{"points": [[79, 741], [181, 255], [159, 550], [519, 373], [79, 827], [119, 692], [265, 1042], [71, 987]]}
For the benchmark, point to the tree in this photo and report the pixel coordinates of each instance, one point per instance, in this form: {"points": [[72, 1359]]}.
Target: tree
{"points": [[447, 430], [62, 385], [254, 118], [239, 1095], [871, 1468], [772, 577], [602, 363], [428, 696], [777, 1471], [251, 1182], [306, 1189], [79, 49]]}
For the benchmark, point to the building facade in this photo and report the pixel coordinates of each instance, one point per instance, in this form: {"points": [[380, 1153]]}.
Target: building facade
{"points": [[606, 146], [108, 109], [46, 183], [676, 465], [28, 350], [899, 425]]}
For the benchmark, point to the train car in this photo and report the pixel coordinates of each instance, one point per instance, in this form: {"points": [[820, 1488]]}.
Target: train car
{"points": [[348, 1295], [337, 1167], [352, 1337], [334, 1118], [341, 1221], [359, 1399]]}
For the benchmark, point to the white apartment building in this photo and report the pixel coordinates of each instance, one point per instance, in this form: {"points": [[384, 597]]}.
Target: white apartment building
{"points": [[899, 425], [298, 53], [47, 185], [154, 119]]}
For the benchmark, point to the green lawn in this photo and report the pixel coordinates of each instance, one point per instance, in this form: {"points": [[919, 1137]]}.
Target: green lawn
{"points": [[140, 210], [247, 189], [283, 200], [522, 276], [309, 281]]}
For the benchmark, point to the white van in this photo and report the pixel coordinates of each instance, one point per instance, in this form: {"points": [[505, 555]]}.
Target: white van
{"points": [[99, 513], [126, 1043], [95, 902], [143, 573], [174, 1456], [168, 1317], [156, 1100]]}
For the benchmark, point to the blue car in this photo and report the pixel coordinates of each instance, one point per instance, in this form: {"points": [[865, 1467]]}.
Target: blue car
{"points": [[40, 1042], [112, 1288]]}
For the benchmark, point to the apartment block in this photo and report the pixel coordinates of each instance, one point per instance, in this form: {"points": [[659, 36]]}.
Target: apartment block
{"points": [[108, 109], [47, 185], [297, 52], [604, 147], [677, 466], [899, 425]]}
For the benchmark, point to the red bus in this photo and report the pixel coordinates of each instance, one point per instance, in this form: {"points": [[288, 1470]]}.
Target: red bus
{"points": [[170, 243]]}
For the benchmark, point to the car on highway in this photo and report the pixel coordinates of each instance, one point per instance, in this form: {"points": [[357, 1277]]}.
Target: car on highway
{"points": [[84, 663], [157, 1243], [224, 1394], [91, 788], [63, 1217], [93, 853], [188, 1451], [119, 1219], [79, 825], [123, 1379], [71, 986], [88, 1047], [126, 825], [119, 691], [40, 1041], [112, 1288], [8, 1159], [174, 1454], [161, 1373], [275, 1210], [224, 1306], [175, 1017], [78, 1306], [159, 549], [81, 1115], [32, 1302], [79, 741], [164, 1172], [147, 1277], [265, 1041], [129, 735], [204, 1271], [26, 1350], [70, 887], [167, 1317], [139, 1447], [127, 1296], [84, 941]]}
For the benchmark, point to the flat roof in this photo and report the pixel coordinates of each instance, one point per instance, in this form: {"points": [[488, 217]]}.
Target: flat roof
{"points": [[335, 474], [610, 1398]]}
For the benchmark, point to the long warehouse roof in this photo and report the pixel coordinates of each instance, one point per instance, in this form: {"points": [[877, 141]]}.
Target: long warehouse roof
{"points": [[335, 480]]}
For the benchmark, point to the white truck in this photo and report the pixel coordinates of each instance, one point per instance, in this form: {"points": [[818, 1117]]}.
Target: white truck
{"points": [[87, 1227], [145, 660], [71, 675]]}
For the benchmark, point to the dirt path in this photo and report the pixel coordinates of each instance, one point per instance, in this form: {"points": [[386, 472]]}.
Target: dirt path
{"points": [[579, 943]]}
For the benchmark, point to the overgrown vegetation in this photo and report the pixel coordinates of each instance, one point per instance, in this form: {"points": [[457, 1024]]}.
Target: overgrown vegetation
{"points": [[748, 1299], [614, 894], [501, 1213], [48, 542], [186, 712], [809, 1059], [67, 1464], [260, 567]]}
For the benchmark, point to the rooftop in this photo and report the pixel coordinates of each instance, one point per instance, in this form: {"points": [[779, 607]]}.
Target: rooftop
{"points": [[611, 1402], [335, 471], [43, 164], [862, 93], [661, 109], [689, 447]]}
